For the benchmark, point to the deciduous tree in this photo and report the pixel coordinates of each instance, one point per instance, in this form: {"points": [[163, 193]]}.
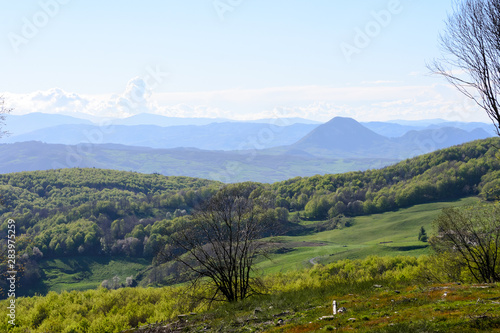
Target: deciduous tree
{"points": [[221, 244], [473, 235]]}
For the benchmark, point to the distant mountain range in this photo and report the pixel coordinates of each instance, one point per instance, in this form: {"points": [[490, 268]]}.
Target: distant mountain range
{"points": [[229, 151], [346, 138], [157, 131], [158, 120], [394, 130], [215, 136], [18, 125]]}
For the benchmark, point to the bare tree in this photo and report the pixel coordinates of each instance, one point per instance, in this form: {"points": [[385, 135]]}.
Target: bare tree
{"points": [[471, 47], [3, 113], [473, 235], [105, 284], [116, 282], [220, 244]]}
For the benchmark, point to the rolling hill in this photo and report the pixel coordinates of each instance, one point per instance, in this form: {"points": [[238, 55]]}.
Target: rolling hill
{"points": [[93, 212], [228, 167]]}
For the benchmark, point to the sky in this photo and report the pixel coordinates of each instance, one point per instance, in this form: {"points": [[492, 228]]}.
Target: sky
{"points": [[237, 59]]}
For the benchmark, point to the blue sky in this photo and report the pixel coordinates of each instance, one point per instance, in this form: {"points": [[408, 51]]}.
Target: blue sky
{"points": [[251, 59]]}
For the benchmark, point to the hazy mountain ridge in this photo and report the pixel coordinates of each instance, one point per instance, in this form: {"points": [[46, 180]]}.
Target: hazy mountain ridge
{"points": [[39, 120], [346, 138], [215, 136], [395, 130], [18, 125], [157, 131], [438, 138], [229, 152]]}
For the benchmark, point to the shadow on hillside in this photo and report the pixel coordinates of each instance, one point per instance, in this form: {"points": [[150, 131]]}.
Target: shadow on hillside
{"points": [[408, 248]]}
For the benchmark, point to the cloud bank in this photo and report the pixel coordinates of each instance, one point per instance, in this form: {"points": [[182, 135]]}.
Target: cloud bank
{"points": [[369, 101]]}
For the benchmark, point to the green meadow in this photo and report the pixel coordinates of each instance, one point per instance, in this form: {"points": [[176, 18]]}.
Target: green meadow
{"points": [[391, 233], [82, 273]]}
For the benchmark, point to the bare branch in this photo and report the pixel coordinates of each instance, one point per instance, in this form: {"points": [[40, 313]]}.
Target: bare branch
{"points": [[471, 54], [220, 242], [473, 233], [4, 111]]}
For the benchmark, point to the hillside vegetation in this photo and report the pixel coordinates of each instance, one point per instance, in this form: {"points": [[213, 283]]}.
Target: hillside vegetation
{"points": [[380, 294], [86, 212], [469, 169]]}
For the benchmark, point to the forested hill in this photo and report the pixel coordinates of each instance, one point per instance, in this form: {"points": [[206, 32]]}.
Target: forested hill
{"points": [[82, 211], [93, 211], [43, 182], [469, 169]]}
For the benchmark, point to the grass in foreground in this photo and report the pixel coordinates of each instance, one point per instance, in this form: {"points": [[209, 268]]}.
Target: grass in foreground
{"points": [[381, 294], [433, 308]]}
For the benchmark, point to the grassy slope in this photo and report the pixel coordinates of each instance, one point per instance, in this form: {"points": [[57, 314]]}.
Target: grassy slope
{"points": [[364, 238], [82, 273]]}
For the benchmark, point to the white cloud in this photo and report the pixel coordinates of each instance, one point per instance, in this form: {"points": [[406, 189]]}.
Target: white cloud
{"points": [[53, 100], [135, 99], [58, 98], [380, 100]]}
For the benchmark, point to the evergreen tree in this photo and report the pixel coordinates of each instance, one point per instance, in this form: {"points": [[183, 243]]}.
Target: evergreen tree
{"points": [[422, 235]]}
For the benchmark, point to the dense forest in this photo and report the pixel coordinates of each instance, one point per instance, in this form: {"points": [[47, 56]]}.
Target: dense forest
{"points": [[73, 212]]}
